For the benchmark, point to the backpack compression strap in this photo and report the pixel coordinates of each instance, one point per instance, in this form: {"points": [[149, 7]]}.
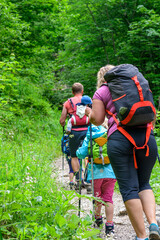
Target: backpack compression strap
{"points": [[101, 141], [129, 137]]}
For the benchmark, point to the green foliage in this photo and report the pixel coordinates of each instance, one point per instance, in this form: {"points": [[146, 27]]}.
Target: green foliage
{"points": [[46, 46], [155, 178], [110, 32], [32, 204], [9, 81], [157, 126], [57, 43]]}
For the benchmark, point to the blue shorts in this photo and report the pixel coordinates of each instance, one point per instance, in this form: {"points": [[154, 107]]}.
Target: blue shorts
{"points": [[75, 140], [131, 181]]}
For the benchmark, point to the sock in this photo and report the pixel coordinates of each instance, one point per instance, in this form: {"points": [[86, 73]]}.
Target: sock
{"points": [[109, 223], [98, 216], [154, 224]]}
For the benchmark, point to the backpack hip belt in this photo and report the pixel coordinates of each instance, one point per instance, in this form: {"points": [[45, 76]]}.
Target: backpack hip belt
{"points": [[129, 137]]}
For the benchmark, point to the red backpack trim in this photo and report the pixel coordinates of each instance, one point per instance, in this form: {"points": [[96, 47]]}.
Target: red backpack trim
{"points": [[134, 108], [119, 98], [138, 87]]}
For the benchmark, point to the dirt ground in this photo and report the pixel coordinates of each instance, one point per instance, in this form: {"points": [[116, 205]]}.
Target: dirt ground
{"points": [[123, 228]]}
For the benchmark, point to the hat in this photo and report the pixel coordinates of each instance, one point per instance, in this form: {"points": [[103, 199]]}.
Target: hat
{"points": [[85, 100]]}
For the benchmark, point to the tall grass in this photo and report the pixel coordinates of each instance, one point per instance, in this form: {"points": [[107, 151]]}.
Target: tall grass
{"points": [[155, 176], [32, 205]]}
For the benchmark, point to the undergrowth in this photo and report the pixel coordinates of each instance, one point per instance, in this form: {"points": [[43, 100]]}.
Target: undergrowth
{"points": [[32, 204]]}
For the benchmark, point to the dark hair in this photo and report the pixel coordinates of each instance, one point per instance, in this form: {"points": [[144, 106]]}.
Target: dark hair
{"points": [[77, 88]]}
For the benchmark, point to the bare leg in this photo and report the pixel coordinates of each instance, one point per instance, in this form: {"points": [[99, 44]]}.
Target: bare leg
{"points": [[75, 164], [109, 211], [135, 213], [148, 204], [98, 207], [71, 176]]}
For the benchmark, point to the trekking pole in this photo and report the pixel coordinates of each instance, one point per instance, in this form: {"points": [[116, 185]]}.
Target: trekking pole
{"points": [[80, 185], [158, 158], [63, 158], [92, 168]]}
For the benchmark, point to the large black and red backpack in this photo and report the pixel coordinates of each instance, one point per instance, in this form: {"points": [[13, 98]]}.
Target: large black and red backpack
{"points": [[133, 101]]}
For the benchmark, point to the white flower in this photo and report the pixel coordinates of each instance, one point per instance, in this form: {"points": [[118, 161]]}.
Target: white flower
{"points": [[39, 198]]}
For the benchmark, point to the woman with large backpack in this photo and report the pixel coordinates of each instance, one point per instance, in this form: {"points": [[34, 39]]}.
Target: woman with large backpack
{"points": [[132, 150]]}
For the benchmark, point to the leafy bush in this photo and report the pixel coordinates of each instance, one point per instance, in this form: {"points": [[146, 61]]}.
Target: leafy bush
{"points": [[33, 205], [157, 126]]}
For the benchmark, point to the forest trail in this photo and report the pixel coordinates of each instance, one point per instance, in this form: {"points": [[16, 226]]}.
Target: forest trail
{"points": [[123, 228]]}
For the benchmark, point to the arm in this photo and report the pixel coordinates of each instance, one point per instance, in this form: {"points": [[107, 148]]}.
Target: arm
{"points": [[97, 113], [63, 116], [82, 151]]}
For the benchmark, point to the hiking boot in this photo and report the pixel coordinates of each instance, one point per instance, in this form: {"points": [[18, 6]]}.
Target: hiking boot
{"points": [[109, 228], [83, 185], [154, 232], [89, 190], [76, 186], [71, 185], [99, 221]]}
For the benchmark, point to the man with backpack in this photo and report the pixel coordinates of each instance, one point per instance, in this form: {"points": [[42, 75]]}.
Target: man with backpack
{"points": [[123, 95], [79, 125]]}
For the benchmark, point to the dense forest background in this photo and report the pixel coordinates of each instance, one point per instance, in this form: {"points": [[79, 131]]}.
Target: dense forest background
{"points": [[46, 46]]}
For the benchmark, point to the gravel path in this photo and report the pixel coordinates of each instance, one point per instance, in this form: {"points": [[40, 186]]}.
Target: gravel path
{"points": [[123, 228]]}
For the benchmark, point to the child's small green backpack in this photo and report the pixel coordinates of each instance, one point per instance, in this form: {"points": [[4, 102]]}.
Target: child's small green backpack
{"points": [[99, 148]]}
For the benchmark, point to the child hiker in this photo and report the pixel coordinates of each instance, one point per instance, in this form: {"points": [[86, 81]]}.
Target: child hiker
{"points": [[104, 180], [66, 151]]}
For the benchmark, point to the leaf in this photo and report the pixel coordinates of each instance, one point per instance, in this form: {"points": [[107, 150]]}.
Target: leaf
{"points": [[74, 221], [60, 220], [91, 233]]}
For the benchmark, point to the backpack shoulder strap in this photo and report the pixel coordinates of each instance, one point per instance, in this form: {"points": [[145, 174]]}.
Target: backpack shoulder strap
{"points": [[72, 105], [71, 102], [104, 84]]}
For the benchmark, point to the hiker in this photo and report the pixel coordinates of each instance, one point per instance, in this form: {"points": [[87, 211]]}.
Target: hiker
{"points": [[78, 129], [66, 151], [103, 175], [133, 181]]}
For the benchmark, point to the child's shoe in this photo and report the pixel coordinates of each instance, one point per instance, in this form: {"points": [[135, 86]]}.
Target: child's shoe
{"points": [[109, 228], [99, 221], [89, 189], [71, 185], [83, 185], [154, 232], [77, 185]]}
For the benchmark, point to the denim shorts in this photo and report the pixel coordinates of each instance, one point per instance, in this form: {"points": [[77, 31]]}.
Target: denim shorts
{"points": [[131, 181]]}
